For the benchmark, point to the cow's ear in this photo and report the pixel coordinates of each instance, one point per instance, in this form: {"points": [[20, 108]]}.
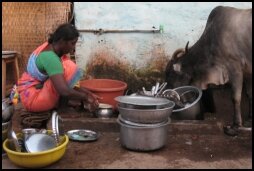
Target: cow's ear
{"points": [[177, 67], [186, 47]]}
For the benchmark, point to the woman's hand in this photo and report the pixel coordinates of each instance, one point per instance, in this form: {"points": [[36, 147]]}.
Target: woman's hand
{"points": [[92, 99], [76, 93]]}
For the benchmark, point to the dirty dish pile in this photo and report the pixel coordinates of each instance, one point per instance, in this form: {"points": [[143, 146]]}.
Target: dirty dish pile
{"points": [[188, 106], [7, 113], [155, 91], [36, 159], [143, 122], [36, 140]]}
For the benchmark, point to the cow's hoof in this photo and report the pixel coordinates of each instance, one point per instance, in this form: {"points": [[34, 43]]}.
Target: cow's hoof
{"points": [[248, 124], [230, 130]]}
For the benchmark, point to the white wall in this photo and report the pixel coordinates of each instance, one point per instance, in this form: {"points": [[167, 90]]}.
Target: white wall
{"points": [[181, 21]]}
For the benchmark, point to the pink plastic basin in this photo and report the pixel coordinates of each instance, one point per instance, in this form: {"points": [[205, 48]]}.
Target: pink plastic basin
{"points": [[108, 89]]}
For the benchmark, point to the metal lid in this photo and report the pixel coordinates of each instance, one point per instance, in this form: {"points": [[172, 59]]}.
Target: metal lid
{"points": [[142, 100]]}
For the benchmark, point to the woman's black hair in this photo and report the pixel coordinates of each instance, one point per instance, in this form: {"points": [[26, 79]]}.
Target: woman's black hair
{"points": [[65, 31]]}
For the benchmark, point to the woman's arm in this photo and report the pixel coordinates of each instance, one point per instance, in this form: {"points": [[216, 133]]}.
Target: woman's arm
{"points": [[63, 90]]}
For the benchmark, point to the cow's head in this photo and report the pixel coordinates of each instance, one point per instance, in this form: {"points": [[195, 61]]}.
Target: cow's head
{"points": [[177, 74]]}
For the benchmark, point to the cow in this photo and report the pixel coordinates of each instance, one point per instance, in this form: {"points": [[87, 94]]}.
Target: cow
{"points": [[222, 55]]}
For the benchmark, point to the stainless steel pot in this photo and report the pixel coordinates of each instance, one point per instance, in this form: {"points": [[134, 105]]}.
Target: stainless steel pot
{"points": [[7, 110], [146, 137], [191, 111], [142, 102], [147, 116]]}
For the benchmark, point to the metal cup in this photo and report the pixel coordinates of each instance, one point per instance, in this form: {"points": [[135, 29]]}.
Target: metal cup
{"points": [[28, 131]]}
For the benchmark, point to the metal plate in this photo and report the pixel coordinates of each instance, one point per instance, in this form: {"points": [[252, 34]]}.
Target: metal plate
{"points": [[142, 100], [82, 135], [54, 129], [38, 142], [60, 126]]}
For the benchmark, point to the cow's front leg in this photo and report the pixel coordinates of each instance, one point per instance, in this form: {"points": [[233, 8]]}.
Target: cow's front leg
{"points": [[236, 86], [248, 86], [249, 93], [250, 108]]}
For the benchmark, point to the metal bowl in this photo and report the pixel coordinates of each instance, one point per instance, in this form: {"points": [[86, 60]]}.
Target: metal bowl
{"points": [[142, 102], [39, 142], [104, 111], [39, 159], [146, 116], [27, 132], [190, 96]]}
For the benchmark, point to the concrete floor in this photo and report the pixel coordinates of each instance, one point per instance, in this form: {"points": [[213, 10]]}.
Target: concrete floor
{"points": [[190, 144]]}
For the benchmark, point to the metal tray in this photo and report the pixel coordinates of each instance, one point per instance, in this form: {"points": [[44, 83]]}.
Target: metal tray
{"points": [[142, 100], [82, 135]]}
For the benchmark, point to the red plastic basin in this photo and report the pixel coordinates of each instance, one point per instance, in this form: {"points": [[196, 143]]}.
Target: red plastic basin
{"points": [[108, 89]]}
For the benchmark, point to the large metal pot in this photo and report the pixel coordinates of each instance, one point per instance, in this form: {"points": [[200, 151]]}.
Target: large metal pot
{"points": [[191, 111], [147, 116], [145, 137]]}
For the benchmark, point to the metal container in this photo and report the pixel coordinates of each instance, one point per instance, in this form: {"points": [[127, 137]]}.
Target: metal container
{"points": [[142, 102], [27, 132], [5, 130], [190, 96], [104, 111], [38, 142], [147, 116], [7, 110], [38, 159], [145, 137]]}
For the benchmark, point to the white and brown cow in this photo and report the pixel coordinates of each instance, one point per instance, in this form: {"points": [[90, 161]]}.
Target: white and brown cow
{"points": [[223, 54]]}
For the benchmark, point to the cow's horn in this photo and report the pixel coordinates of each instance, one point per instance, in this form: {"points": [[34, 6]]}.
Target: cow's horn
{"points": [[186, 47], [175, 54]]}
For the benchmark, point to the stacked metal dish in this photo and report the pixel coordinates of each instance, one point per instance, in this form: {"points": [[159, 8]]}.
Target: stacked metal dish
{"points": [[190, 96], [7, 112], [143, 121]]}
